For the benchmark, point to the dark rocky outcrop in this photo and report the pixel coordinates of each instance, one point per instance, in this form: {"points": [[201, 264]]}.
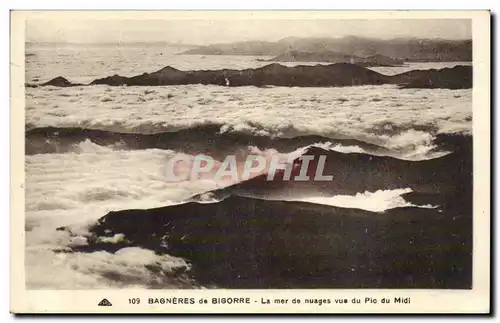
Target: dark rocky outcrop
{"points": [[251, 243], [60, 82], [458, 77], [114, 80], [340, 74]]}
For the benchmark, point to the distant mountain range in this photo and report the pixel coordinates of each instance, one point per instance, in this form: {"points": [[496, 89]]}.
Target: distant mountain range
{"points": [[407, 49], [335, 57]]}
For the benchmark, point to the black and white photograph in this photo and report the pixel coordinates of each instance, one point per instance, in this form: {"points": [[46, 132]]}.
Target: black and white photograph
{"points": [[249, 154]]}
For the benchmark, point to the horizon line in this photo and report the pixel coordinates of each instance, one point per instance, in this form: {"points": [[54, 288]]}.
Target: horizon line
{"points": [[241, 41]]}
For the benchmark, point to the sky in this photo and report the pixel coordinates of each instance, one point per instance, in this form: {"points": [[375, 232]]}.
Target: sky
{"points": [[204, 31]]}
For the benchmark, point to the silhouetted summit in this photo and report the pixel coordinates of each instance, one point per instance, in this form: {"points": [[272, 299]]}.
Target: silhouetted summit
{"points": [[61, 82]]}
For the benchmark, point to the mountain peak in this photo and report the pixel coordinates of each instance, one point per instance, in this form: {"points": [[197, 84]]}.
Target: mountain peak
{"points": [[167, 68]]}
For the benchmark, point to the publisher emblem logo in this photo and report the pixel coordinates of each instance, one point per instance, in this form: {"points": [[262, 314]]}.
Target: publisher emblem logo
{"points": [[104, 302]]}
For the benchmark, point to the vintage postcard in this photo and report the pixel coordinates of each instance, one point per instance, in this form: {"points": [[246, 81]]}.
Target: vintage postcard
{"points": [[250, 161]]}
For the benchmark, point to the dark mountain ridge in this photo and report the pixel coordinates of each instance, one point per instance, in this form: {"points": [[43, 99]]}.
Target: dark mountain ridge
{"points": [[333, 75], [449, 175], [243, 242]]}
